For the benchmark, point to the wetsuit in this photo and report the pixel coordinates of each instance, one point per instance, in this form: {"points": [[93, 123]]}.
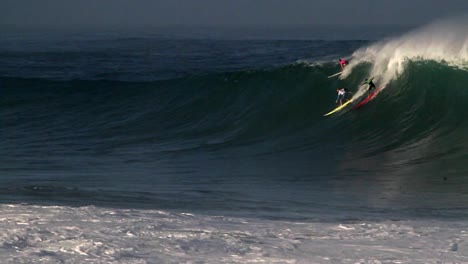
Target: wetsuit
{"points": [[342, 94], [343, 63], [370, 83]]}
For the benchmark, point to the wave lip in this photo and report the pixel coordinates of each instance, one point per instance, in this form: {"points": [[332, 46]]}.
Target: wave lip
{"points": [[443, 41]]}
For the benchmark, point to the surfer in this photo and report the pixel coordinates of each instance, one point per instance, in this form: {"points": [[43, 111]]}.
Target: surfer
{"points": [[341, 95], [343, 63], [370, 83]]}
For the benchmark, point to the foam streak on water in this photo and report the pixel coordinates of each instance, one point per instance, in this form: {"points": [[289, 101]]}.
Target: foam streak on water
{"points": [[57, 234]]}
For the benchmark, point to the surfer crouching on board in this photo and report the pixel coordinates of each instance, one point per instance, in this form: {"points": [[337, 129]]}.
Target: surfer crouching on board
{"points": [[341, 95], [370, 83], [343, 63]]}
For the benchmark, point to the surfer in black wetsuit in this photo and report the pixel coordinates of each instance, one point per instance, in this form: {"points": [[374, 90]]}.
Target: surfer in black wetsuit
{"points": [[370, 83]]}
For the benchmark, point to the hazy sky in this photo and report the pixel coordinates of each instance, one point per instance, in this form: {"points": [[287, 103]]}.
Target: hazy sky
{"points": [[272, 13]]}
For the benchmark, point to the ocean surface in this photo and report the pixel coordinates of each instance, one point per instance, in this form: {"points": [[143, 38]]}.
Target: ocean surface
{"points": [[152, 148]]}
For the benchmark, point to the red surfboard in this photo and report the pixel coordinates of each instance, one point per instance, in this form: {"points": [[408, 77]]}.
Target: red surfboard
{"points": [[368, 98]]}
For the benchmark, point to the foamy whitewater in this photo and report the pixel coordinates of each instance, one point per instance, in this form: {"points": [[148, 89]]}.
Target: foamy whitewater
{"points": [[146, 148], [57, 234]]}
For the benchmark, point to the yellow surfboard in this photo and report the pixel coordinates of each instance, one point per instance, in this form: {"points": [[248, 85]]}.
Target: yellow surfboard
{"points": [[338, 108]]}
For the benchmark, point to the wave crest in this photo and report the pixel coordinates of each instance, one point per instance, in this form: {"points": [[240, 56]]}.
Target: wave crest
{"points": [[444, 41]]}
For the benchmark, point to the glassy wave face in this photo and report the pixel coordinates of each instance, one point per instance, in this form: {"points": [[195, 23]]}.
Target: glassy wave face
{"points": [[235, 127]]}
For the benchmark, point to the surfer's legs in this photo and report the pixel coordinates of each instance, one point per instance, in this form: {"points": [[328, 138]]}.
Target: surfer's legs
{"points": [[340, 98]]}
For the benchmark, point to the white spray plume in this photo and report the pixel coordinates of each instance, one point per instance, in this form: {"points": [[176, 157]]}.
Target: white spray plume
{"points": [[444, 41]]}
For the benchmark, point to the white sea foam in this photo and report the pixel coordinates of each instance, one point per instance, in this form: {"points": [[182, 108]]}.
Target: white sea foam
{"points": [[97, 235], [444, 41]]}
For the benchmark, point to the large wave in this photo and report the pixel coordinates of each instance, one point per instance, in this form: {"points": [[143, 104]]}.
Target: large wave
{"points": [[419, 118], [222, 110], [263, 123]]}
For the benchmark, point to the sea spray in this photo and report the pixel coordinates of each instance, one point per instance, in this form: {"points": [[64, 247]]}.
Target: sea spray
{"points": [[444, 41]]}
